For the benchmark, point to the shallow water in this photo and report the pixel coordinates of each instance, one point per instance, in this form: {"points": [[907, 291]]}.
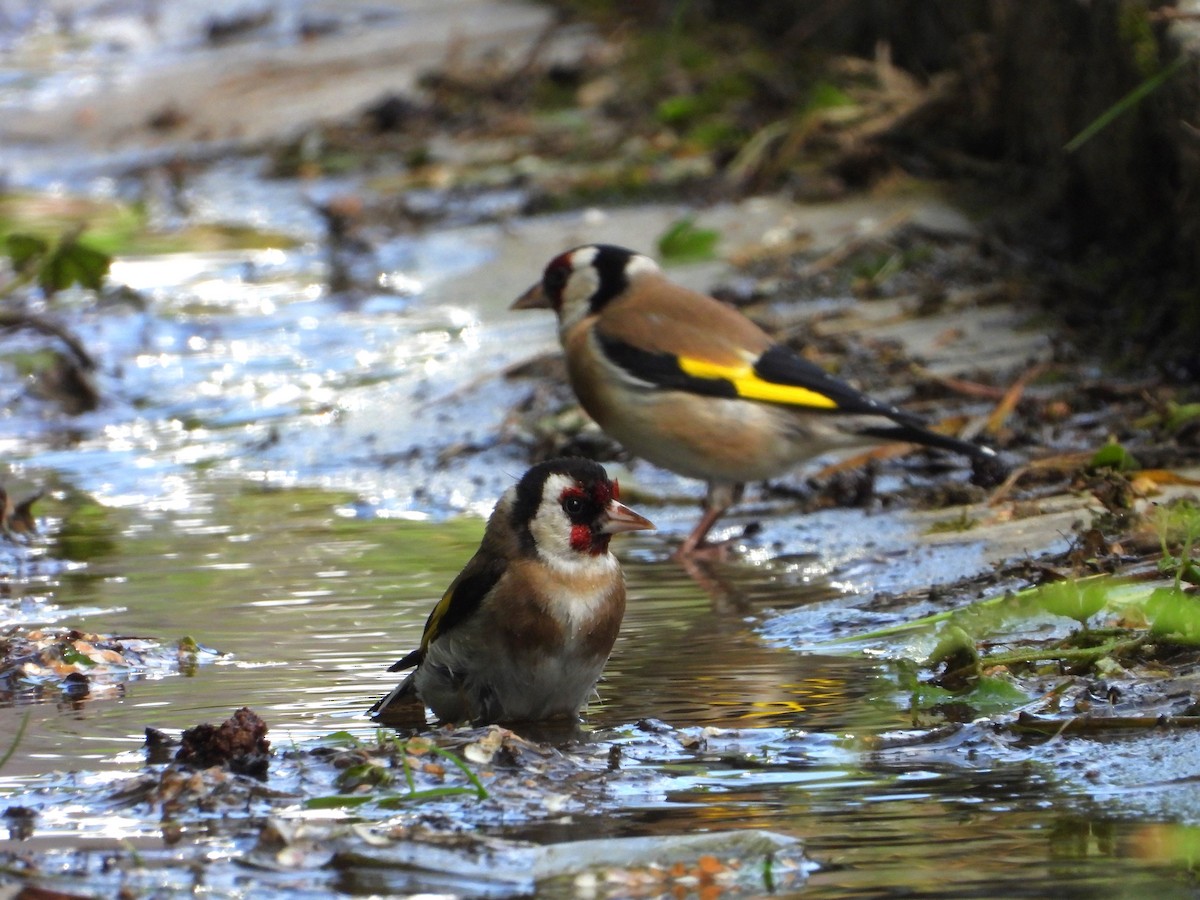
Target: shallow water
{"points": [[266, 477], [306, 604], [272, 476]]}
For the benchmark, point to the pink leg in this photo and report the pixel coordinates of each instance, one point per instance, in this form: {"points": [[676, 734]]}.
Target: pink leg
{"points": [[719, 499]]}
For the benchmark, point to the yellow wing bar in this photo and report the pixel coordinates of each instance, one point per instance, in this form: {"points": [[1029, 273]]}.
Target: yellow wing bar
{"points": [[435, 618], [750, 386]]}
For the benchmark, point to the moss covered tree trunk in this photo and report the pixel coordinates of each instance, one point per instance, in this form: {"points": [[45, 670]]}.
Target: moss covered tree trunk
{"points": [[1127, 199], [1123, 207]]}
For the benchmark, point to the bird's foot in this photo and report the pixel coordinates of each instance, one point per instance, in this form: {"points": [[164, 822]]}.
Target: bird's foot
{"points": [[703, 551]]}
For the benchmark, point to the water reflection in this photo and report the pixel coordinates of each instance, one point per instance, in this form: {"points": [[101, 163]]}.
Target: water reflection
{"points": [[280, 581], [704, 725]]}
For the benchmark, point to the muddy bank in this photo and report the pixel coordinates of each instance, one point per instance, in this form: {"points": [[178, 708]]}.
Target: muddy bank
{"points": [[126, 83]]}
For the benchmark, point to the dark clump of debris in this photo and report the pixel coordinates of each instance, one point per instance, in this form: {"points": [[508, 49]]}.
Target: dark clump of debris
{"points": [[239, 744]]}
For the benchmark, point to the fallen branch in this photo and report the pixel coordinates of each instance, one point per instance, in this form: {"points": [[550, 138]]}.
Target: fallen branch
{"points": [[14, 320], [1064, 462], [962, 386]]}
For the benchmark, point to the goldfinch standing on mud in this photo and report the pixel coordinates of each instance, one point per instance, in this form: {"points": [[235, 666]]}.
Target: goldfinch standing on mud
{"points": [[523, 632], [690, 384]]}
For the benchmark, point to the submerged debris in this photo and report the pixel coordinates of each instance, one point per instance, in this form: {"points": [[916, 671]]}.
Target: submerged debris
{"points": [[20, 821], [427, 838], [79, 662], [239, 744], [718, 862]]}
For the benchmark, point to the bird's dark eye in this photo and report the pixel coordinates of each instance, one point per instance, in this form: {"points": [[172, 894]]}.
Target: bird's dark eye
{"points": [[573, 505], [555, 280]]}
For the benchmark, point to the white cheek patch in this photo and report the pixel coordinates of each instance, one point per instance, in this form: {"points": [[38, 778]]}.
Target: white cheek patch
{"points": [[551, 534], [576, 293], [551, 529]]}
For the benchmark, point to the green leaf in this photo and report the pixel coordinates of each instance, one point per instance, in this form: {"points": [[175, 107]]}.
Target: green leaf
{"points": [[340, 739], [954, 643], [961, 522], [684, 242], [364, 773], [824, 95], [337, 801], [1072, 599], [991, 695], [956, 649], [987, 695], [398, 801], [25, 250], [677, 109], [1114, 456], [1183, 569], [1180, 414], [72, 262], [1175, 613], [73, 657]]}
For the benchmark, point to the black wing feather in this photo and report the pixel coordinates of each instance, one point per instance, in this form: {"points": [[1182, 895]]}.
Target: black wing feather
{"points": [[661, 369], [779, 365], [463, 598]]}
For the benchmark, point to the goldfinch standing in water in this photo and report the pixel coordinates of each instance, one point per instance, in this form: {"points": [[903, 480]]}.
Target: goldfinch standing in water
{"points": [[690, 384], [523, 632]]}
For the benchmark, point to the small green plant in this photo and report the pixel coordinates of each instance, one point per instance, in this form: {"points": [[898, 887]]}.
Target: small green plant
{"points": [[1172, 417], [55, 265], [73, 657], [1114, 456], [1175, 615], [768, 875], [1076, 599], [358, 784], [825, 95], [962, 522], [16, 741], [368, 774], [343, 739], [684, 242], [678, 110], [985, 694], [1178, 527]]}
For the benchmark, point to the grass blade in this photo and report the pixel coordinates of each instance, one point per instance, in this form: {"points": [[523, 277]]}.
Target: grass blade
{"points": [[1122, 106], [12, 748]]}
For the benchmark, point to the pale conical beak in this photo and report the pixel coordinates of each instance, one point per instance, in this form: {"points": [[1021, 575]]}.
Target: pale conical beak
{"points": [[534, 298], [618, 517]]}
